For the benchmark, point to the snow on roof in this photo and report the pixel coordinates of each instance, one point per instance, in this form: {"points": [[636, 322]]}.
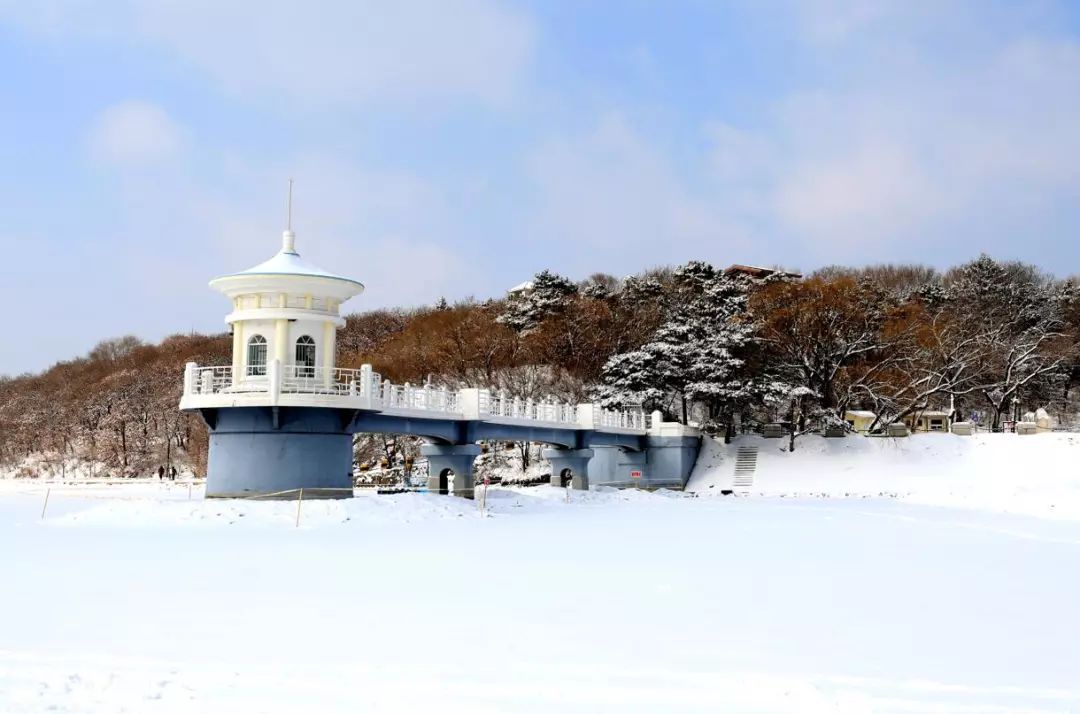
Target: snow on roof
{"points": [[862, 413]]}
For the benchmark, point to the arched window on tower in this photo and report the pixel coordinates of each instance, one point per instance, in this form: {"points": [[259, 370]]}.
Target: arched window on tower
{"points": [[256, 356], [305, 357]]}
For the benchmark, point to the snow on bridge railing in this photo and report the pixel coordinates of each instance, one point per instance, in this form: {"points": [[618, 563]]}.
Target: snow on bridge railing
{"points": [[373, 392]]}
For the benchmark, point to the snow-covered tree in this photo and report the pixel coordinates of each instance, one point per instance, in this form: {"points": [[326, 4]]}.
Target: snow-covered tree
{"points": [[812, 330], [1017, 318], [548, 294], [637, 290], [694, 356]]}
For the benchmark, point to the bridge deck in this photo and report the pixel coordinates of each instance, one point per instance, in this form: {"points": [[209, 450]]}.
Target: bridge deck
{"points": [[365, 390]]}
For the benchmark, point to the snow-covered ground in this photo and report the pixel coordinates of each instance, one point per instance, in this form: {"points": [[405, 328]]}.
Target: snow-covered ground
{"points": [[1035, 475], [133, 598]]}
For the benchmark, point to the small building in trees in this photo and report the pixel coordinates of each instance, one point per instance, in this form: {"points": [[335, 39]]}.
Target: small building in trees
{"points": [[929, 420], [860, 420]]}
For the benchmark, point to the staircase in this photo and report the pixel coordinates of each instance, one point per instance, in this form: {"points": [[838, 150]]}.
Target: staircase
{"points": [[745, 465]]}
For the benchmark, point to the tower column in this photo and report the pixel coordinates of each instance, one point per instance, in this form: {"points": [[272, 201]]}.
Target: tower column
{"points": [[237, 352], [281, 342], [329, 346]]}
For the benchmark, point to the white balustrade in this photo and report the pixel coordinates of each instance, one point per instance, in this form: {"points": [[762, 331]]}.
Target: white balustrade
{"points": [[371, 391]]}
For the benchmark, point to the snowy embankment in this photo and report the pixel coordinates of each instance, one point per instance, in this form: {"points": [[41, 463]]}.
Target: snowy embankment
{"points": [[1036, 475]]}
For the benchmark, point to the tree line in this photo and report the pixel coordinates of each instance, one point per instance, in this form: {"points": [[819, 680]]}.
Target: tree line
{"points": [[721, 348]]}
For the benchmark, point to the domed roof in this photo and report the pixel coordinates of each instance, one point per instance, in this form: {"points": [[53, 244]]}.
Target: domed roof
{"points": [[287, 262]]}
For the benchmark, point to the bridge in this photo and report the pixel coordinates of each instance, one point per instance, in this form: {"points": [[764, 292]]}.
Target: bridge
{"points": [[282, 416], [289, 420]]}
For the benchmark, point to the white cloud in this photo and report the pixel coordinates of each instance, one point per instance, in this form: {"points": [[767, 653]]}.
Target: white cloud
{"points": [[134, 133], [915, 154], [342, 52]]}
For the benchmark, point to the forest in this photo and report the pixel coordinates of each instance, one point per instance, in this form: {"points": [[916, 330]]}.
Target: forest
{"points": [[728, 349]]}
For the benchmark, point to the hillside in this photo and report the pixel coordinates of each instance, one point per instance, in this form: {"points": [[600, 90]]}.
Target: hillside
{"points": [[740, 346]]}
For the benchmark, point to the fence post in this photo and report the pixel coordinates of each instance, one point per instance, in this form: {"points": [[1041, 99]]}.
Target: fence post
{"points": [[299, 501], [469, 403], [189, 378], [46, 502], [367, 384]]}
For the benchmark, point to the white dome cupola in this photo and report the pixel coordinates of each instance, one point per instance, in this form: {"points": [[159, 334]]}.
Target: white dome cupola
{"points": [[285, 311]]}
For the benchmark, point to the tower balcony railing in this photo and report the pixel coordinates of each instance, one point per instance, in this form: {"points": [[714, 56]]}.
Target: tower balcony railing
{"points": [[271, 301], [302, 379], [364, 388]]}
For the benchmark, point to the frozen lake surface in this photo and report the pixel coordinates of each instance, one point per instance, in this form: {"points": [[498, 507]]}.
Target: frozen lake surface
{"points": [[132, 598]]}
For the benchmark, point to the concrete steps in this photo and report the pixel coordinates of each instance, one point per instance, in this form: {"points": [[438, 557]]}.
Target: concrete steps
{"points": [[745, 466]]}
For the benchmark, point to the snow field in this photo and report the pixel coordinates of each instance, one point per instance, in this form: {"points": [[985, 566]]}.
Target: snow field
{"points": [[132, 598]]}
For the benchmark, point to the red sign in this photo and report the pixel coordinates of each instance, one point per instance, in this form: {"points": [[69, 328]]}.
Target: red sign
{"points": [[635, 474]]}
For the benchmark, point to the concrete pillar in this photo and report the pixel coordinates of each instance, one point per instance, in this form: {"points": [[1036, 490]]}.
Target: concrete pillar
{"points": [[616, 466], [577, 460], [456, 458], [260, 452], [671, 459]]}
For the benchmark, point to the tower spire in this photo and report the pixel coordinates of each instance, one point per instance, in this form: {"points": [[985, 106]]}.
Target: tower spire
{"points": [[288, 238]]}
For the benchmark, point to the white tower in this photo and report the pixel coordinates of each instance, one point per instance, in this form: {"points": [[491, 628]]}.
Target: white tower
{"points": [[285, 316]]}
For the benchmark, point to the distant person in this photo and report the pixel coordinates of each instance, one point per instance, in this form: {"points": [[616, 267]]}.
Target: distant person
{"points": [[160, 472], [172, 473]]}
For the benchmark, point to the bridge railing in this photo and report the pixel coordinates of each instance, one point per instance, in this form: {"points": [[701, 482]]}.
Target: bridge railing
{"points": [[407, 396], [500, 405], [374, 392], [622, 418]]}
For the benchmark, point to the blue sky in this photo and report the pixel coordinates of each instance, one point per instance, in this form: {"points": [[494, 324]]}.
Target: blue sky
{"points": [[455, 147]]}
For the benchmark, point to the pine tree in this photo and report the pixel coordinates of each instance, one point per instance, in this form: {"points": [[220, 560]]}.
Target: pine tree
{"points": [[638, 290], [548, 295], [695, 354]]}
